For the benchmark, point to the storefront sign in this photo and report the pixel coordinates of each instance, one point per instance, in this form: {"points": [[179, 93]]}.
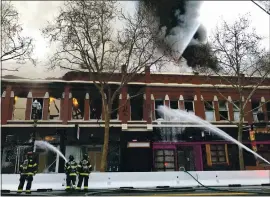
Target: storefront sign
{"points": [[138, 145]]}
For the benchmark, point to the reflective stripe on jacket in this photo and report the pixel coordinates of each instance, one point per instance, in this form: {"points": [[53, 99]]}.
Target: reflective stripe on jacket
{"points": [[28, 167]]}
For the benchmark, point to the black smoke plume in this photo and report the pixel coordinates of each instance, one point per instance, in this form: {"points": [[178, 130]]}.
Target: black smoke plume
{"points": [[175, 13]]}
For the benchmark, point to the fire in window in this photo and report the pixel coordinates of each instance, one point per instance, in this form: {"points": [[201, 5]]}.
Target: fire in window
{"points": [[54, 108], [77, 108]]}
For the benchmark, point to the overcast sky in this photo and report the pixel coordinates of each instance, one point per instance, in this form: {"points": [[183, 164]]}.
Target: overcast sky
{"points": [[35, 14]]}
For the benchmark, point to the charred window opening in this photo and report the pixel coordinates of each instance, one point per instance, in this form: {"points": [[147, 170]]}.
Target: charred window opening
{"points": [[19, 107], [78, 107], [223, 110], [174, 104], [115, 106], [95, 108], [158, 102], [38, 113], [189, 106], [209, 111], [136, 105], [54, 108]]}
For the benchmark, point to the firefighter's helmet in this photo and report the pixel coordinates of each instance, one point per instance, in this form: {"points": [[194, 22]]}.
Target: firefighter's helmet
{"points": [[29, 155], [85, 156], [71, 158]]}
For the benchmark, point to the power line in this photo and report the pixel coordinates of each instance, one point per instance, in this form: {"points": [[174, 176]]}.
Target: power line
{"points": [[261, 7]]}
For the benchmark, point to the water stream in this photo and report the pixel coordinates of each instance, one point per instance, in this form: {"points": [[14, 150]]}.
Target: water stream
{"points": [[45, 145], [181, 115]]}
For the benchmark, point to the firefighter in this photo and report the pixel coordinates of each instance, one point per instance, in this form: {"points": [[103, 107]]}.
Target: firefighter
{"points": [[71, 172], [84, 169], [27, 170]]}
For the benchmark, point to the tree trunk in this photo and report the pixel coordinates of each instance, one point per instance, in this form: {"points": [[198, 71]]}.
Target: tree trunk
{"points": [[103, 166], [240, 137]]}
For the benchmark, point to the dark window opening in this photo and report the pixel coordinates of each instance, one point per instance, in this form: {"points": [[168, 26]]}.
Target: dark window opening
{"points": [[115, 106], [158, 103], [223, 110], [37, 112], [268, 110], [174, 104], [136, 105], [95, 108], [189, 106]]}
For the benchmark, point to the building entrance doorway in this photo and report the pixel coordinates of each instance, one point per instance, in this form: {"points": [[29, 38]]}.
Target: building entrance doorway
{"points": [[185, 158]]}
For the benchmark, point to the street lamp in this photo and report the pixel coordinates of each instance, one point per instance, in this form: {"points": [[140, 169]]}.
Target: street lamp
{"points": [[36, 107]]}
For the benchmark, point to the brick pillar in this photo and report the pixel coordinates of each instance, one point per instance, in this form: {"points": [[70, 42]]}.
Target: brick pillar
{"points": [[86, 107], [181, 103], [28, 110], [11, 106], [198, 103], [147, 109], [124, 106], [70, 106], [230, 108], [264, 110], [5, 104], [247, 110], [62, 106], [216, 107], [46, 103], [65, 108], [167, 101]]}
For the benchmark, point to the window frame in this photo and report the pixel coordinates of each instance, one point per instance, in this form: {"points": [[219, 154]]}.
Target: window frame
{"points": [[212, 110], [226, 110], [163, 160]]}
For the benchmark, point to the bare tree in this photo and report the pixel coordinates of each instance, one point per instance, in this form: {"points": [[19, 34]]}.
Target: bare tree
{"points": [[14, 45], [88, 42], [243, 64]]}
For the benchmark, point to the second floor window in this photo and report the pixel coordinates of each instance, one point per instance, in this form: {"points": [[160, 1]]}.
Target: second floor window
{"points": [[36, 112], [255, 109], [189, 106], [174, 104], [236, 110], [209, 111], [268, 110], [223, 110], [19, 108], [158, 103]]}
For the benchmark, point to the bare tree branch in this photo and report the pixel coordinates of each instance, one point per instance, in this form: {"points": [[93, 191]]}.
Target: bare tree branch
{"points": [[13, 45]]}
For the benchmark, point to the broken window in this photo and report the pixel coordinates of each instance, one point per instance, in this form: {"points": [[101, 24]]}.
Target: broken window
{"points": [[209, 111], [174, 104], [54, 108], [223, 110], [77, 108], [236, 111], [19, 108], [136, 106], [95, 108], [189, 106], [37, 109], [255, 109], [158, 102]]}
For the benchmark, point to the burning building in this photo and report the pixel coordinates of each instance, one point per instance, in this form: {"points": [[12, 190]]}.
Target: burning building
{"points": [[71, 119]]}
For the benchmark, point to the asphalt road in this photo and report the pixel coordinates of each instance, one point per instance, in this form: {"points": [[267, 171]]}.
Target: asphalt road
{"points": [[224, 191]]}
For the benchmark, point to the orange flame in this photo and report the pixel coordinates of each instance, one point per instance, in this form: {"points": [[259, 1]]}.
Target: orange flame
{"points": [[51, 99], [75, 102]]}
